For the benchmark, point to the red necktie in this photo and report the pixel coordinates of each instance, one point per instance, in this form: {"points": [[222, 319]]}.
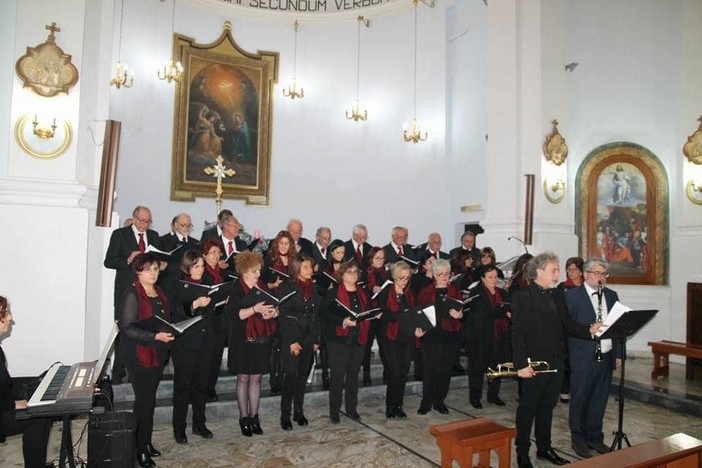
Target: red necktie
{"points": [[435, 255], [142, 244], [399, 251], [230, 249], [359, 254], [324, 251]]}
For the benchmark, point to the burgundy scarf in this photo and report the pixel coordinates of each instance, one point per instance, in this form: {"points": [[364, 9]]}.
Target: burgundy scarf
{"points": [[147, 355], [343, 295], [256, 326], [215, 272], [393, 307], [376, 277], [305, 287], [428, 296], [500, 325]]}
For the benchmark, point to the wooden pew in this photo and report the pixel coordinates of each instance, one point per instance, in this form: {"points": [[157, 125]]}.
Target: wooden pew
{"points": [[663, 349], [675, 451], [462, 439]]}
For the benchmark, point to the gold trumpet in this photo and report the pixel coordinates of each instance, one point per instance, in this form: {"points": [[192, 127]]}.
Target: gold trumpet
{"points": [[506, 369]]}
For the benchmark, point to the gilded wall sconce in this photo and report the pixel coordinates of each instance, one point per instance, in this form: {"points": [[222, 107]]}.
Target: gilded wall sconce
{"points": [[692, 150], [555, 151]]}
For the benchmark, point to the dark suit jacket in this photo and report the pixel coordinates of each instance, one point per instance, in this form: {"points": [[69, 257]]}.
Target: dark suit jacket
{"points": [[122, 244], [240, 247], [7, 400], [210, 233], [319, 260], [474, 252], [582, 352], [172, 273], [350, 253], [391, 254], [306, 246], [421, 252]]}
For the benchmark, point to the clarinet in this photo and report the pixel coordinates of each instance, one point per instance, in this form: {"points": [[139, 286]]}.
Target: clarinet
{"points": [[598, 318]]}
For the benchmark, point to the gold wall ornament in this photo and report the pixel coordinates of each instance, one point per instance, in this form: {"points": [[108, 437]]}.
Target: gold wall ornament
{"points": [[36, 140], [693, 192], [555, 148], [219, 171], [46, 68], [693, 148], [554, 189]]}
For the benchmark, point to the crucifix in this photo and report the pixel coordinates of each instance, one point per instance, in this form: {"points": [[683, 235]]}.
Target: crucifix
{"points": [[219, 171]]}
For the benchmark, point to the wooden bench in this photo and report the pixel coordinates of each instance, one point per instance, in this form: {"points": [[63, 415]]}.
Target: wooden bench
{"points": [[663, 349], [676, 451], [462, 439]]}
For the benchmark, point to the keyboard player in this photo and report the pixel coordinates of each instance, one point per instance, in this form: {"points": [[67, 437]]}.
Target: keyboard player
{"points": [[35, 431]]}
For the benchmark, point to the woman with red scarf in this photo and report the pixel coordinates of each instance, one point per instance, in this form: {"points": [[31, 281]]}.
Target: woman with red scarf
{"points": [[145, 352], [440, 344], [250, 339], [397, 348], [346, 338], [192, 352], [574, 278], [375, 277], [299, 330], [488, 335], [214, 274]]}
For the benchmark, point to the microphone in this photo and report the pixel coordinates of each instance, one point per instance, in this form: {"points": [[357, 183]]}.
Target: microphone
{"points": [[521, 241]]}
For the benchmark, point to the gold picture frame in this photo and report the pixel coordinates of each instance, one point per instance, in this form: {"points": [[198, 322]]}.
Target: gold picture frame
{"points": [[223, 106], [43, 148]]}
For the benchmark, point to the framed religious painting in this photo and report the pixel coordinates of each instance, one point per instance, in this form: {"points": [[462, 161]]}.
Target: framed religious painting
{"points": [[622, 213], [223, 108]]}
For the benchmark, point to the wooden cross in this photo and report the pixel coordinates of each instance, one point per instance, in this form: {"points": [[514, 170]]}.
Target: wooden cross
{"points": [[219, 171], [54, 29]]}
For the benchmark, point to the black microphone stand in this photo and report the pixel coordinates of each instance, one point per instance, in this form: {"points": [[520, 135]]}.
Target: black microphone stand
{"points": [[619, 434]]}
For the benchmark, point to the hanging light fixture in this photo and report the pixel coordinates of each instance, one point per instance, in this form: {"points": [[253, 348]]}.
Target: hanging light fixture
{"points": [[123, 76], [357, 111], [171, 70], [412, 131], [292, 91]]}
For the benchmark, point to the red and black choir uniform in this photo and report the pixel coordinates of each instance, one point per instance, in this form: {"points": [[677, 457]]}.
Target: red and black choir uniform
{"points": [[270, 276], [397, 346], [144, 357], [374, 277], [299, 323], [439, 349], [192, 357], [346, 347], [488, 340], [324, 287], [220, 329]]}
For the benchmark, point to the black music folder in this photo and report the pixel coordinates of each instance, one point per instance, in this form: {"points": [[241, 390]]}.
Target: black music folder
{"points": [[417, 317], [217, 292], [622, 322], [160, 254], [268, 298], [365, 315], [157, 324]]}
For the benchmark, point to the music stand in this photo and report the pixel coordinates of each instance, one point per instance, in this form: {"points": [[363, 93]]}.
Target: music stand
{"points": [[626, 326]]}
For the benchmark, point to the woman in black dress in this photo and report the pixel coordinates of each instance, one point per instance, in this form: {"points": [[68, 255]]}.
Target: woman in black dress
{"points": [[253, 326], [347, 338], [299, 330], [488, 335], [192, 352], [145, 352]]}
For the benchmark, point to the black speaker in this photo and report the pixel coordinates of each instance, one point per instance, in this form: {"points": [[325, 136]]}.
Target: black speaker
{"points": [[112, 440]]}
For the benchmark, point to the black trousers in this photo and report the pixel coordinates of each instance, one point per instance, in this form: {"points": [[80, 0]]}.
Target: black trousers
{"points": [[536, 402], [398, 356], [438, 363], [344, 364], [35, 437], [373, 334], [220, 325], [476, 375], [276, 363], [144, 383], [295, 371], [190, 379], [590, 383]]}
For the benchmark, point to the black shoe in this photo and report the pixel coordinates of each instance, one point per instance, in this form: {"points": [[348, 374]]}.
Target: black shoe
{"points": [[334, 418], [203, 432], [152, 451], [275, 389], [366, 378], [325, 382], [145, 460], [285, 423], [523, 461], [245, 425], [565, 398], [256, 425], [599, 447], [212, 397], [423, 410], [300, 419], [552, 456], [399, 413], [476, 404], [353, 415], [581, 449], [180, 437], [441, 408], [496, 401], [390, 413]]}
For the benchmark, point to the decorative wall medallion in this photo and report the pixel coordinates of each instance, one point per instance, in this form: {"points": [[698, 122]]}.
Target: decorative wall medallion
{"points": [[693, 148], [37, 144], [555, 148], [46, 68]]}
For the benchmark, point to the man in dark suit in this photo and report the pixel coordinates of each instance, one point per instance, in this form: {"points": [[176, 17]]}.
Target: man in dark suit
{"points": [[229, 241], [181, 226], [431, 248], [125, 244], [590, 378], [540, 323], [213, 232], [467, 245], [321, 246], [398, 247], [357, 248], [294, 227]]}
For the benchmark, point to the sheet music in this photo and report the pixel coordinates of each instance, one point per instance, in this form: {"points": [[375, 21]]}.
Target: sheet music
{"points": [[430, 312], [617, 310]]}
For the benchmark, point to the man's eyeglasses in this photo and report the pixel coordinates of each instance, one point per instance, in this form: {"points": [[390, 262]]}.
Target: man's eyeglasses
{"points": [[143, 221], [599, 274]]}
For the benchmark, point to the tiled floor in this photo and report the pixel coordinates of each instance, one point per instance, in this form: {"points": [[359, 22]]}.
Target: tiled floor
{"points": [[377, 442]]}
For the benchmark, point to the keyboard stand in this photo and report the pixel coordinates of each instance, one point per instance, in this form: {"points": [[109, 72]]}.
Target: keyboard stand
{"points": [[66, 452]]}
